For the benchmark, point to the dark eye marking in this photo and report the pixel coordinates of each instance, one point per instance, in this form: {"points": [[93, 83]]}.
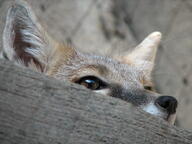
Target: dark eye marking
{"points": [[150, 88], [92, 82], [5, 56]]}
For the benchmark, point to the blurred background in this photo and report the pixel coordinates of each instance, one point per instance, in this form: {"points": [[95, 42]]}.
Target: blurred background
{"points": [[111, 27]]}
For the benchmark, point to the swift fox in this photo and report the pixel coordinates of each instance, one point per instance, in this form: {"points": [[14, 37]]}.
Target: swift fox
{"points": [[126, 77]]}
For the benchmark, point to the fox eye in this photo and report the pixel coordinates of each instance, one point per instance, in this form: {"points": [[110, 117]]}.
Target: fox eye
{"points": [[150, 88], [92, 82]]}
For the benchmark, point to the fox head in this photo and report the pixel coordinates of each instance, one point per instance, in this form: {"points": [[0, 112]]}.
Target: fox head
{"points": [[127, 77]]}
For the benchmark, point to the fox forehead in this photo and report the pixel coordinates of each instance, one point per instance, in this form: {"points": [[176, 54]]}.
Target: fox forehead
{"points": [[108, 69]]}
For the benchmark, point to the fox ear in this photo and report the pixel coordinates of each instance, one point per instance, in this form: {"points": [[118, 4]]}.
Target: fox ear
{"points": [[145, 52], [24, 40]]}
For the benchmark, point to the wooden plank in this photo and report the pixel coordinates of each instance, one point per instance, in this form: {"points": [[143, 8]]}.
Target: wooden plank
{"points": [[35, 109]]}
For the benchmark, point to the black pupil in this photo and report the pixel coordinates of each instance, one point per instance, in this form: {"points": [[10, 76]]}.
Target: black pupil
{"points": [[148, 88], [92, 83]]}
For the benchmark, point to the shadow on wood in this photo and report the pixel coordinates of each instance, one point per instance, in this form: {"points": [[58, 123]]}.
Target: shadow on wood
{"points": [[35, 109]]}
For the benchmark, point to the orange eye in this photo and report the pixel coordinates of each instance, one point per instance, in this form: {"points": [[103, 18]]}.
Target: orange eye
{"points": [[92, 82]]}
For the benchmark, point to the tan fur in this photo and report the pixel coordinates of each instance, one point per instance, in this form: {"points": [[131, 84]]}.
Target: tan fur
{"points": [[60, 56]]}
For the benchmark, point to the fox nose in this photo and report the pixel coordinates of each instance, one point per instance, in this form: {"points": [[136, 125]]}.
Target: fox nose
{"points": [[168, 103]]}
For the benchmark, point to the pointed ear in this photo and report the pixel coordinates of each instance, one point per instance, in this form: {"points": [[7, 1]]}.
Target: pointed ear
{"points": [[24, 40], [144, 54]]}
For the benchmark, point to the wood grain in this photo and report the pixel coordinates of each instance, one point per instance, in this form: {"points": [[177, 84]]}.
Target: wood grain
{"points": [[35, 109]]}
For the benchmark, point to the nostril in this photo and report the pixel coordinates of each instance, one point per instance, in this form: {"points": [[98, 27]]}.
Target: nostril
{"points": [[168, 103]]}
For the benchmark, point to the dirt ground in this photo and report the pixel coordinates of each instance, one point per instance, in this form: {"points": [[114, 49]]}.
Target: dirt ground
{"points": [[114, 27]]}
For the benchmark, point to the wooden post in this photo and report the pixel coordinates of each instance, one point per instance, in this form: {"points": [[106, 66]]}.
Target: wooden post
{"points": [[35, 109]]}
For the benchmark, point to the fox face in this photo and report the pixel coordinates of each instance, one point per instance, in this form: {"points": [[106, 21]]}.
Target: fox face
{"points": [[127, 77]]}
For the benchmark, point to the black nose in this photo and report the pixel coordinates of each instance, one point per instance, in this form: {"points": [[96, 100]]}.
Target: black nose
{"points": [[168, 103]]}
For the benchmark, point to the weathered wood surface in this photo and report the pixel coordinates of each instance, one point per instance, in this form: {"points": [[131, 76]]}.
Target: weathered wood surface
{"points": [[113, 26], [35, 109]]}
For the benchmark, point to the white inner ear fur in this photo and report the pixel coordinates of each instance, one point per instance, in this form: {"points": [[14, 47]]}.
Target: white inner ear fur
{"points": [[31, 31], [146, 50], [21, 14], [143, 56]]}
